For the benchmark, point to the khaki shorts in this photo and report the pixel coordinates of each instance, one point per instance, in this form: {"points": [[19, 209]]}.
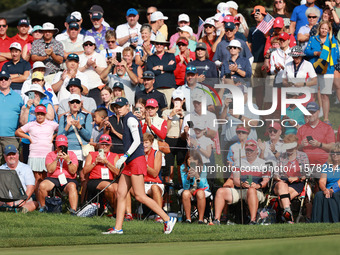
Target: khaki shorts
{"points": [[236, 195]]}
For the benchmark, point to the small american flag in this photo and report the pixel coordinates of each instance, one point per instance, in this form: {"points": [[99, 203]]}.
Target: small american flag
{"points": [[200, 27], [266, 24]]}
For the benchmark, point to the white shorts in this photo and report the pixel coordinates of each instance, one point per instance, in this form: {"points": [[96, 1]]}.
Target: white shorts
{"points": [[206, 193], [148, 186], [325, 83], [236, 195]]}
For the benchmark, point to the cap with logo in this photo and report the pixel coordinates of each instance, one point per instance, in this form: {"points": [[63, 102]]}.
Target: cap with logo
{"points": [[278, 23], [40, 109], [312, 107], [74, 25], [10, 149], [118, 85], [131, 11], [61, 140], [120, 101], [229, 25], [4, 74], [105, 139], [96, 15], [284, 36], [148, 75], [15, 45], [74, 82], [183, 40], [73, 56], [151, 103], [23, 22], [37, 76], [183, 17]]}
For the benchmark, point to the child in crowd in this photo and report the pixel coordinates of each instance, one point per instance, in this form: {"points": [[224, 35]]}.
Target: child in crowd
{"points": [[100, 115]]}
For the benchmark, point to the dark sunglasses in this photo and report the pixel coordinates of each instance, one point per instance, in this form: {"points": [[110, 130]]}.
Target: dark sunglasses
{"points": [[88, 44], [208, 26], [241, 132], [335, 153], [278, 2], [229, 30], [312, 17], [4, 78], [3, 25], [108, 42], [232, 47], [181, 44], [157, 43], [73, 28], [149, 13], [272, 131], [75, 102]]}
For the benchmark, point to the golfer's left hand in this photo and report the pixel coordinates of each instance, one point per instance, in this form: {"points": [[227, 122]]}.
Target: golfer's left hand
{"points": [[121, 161]]}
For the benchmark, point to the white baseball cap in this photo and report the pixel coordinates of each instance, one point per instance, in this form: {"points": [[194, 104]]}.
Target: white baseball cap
{"points": [[15, 45], [235, 43], [39, 64], [77, 15], [221, 7], [218, 17], [178, 94], [209, 21], [186, 29], [74, 97], [157, 16], [48, 26], [232, 4], [89, 38], [183, 17]]}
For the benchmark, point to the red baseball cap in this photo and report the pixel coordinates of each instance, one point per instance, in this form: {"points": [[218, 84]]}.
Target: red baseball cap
{"points": [[183, 41], [278, 23], [275, 125], [251, 144], [228, 18], [61, 140], [105, 139], [242, 129], [40, 108], [284, 36], [151, 102]]}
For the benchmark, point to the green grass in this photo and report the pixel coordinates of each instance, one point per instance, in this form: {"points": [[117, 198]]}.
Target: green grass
{"points": [[34, 229]]}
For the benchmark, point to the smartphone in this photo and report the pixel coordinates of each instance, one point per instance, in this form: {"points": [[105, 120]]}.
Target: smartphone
{"points": [[119, 56], [101, 153], [231, 106], [227, 75], [190, 124], [138, 109], [108, 54], [309, 138], [63, 149], [250, 179], [31, 95], [177, 104]]}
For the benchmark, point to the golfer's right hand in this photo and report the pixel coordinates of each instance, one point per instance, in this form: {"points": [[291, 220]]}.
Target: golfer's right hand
{"points": [[121, 161]]}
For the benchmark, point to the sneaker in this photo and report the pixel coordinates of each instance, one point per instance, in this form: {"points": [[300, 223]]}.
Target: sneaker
{"points": [[287, 215], [128, 217], [216, 222], [112, 231], [73, 212], [252, 222], [158, 219], [187, 221], [169, 225], [43, 209], [200, 222], [23, 210]]}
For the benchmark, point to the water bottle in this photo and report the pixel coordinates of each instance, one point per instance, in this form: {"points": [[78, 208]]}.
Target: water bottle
{"points": [[179, 216], [171, 190]]}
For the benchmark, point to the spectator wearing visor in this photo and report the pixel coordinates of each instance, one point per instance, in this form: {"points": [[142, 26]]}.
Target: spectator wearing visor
{"points": [[184, 57]]}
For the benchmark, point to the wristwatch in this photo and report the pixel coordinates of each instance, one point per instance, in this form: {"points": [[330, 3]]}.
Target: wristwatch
{"points": [[69, 163]]}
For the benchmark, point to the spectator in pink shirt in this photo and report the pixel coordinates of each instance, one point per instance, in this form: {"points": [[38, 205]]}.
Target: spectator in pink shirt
{"points": [[40, 136]]}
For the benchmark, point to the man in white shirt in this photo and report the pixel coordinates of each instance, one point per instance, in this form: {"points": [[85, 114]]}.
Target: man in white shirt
{"points": [[157, 21], [128, 33], [72, 40]]}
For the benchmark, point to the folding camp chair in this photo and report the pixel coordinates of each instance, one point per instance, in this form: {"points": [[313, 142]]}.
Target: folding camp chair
{"points": [[11, 189]]}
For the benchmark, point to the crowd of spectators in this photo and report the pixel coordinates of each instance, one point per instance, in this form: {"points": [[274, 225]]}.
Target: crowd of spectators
{"points": [[61, 92]]}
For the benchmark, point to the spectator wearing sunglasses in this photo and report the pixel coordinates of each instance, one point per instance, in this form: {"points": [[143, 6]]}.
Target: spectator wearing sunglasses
{"points": [[113, 47], [237, 150], [6, 41], [184, 57], [280, 10], [210, 38], [299, 18], [233, 9], [9, 118], [303, 35], [327, 201]]}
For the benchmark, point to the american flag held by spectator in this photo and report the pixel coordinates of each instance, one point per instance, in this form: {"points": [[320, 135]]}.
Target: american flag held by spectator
{"points": [[266, 24], [200, 26]]}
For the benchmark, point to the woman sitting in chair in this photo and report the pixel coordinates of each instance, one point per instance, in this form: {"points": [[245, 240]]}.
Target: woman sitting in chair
{"points": [[195, 184], [326, 204], [289, 182], [101, 167]]}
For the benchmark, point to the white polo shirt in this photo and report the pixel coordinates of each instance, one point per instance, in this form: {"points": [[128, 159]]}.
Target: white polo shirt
{"points": [[125, 29], [279, 57]]}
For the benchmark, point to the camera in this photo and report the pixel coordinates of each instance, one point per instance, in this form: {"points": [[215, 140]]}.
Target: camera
{"points": [[227, 75]]}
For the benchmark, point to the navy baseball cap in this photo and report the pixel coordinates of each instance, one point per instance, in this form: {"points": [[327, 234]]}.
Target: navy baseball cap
{"points": [[148, 75], [70, 19], [74, 25], [229, 25], [312, 107], [4, 74], [23, 22], [74, 82], [131, 11], [191, 69], [10, 149], [118, 85], [121, 101], [73, 56], [97, 15]]}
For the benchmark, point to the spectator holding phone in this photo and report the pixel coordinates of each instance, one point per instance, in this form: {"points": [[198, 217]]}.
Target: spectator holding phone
{"points": [[61, 166], [237, 150], [316, 138], [113, 47]]}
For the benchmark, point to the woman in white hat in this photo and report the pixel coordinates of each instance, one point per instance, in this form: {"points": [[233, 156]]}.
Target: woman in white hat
{"points": [[210, 38]]}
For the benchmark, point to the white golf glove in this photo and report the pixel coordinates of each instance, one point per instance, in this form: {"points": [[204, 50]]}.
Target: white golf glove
{"points": [[121, 161]]}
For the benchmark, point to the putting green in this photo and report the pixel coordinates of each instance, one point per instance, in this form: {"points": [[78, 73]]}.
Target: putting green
{"points": [[318, 245]]}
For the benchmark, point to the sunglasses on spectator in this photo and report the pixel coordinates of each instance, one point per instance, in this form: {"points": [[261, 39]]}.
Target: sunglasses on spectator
{"points": [[149, 13], [104, 139], [3, 25], [229, 30], [312, 17], [208, 26], [272, 131], [3, 78], [181, 44], [232, 47], [75, 102], [278, 2], [335, 153], [241, 132], [108, 42], [88, 44]]}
